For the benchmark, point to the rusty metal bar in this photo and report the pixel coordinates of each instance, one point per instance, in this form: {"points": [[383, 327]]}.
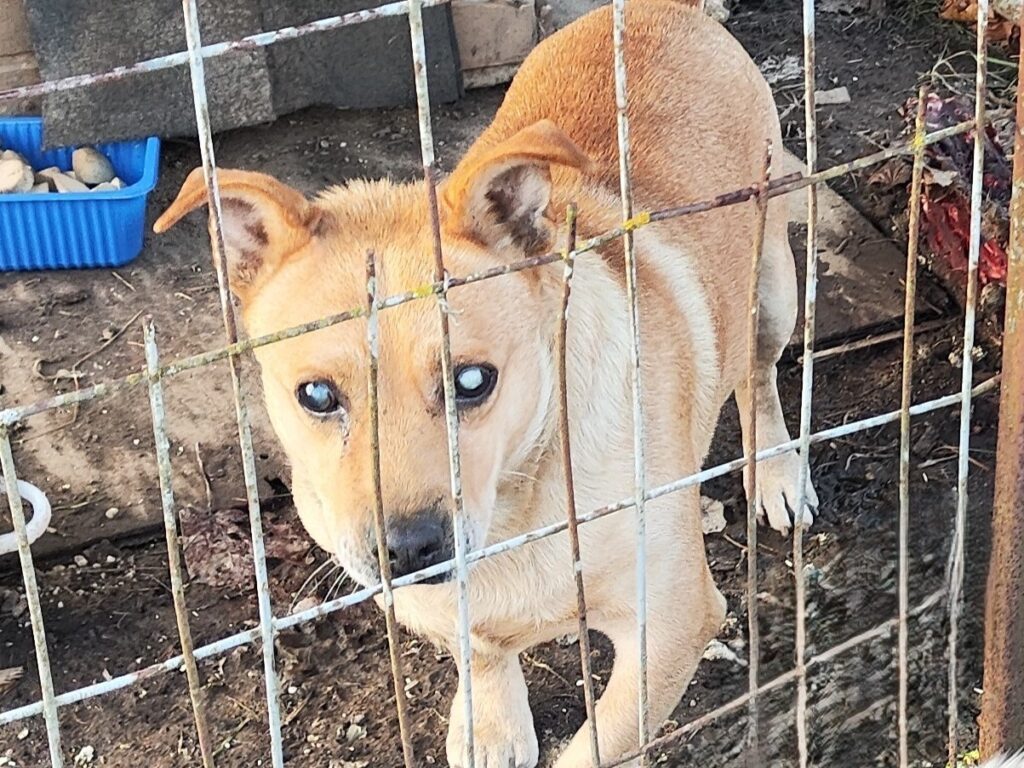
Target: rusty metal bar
{"points": [[48, 705], [379, 525], [906, 400], [956, 556], [570, 488], [753, 317], [636, 372], [1002, 703], [216, 229], [784, 185], [807, 389], [460, 526], [164, 473]]}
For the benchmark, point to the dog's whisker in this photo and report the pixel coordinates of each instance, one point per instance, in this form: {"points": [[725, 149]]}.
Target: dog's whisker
{"points": [[515, 473], [299, 593], [335, 588], [336, 568]]}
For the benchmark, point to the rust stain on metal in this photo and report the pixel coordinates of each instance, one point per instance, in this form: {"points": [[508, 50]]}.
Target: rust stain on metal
{"points": [[1002, 705]]}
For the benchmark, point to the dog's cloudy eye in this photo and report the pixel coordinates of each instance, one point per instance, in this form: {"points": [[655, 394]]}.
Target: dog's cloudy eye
{"points": [[318, 397], [473, 383]]}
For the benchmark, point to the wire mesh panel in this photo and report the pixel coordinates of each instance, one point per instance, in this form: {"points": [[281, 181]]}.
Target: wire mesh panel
{"points": [[756, 195]]}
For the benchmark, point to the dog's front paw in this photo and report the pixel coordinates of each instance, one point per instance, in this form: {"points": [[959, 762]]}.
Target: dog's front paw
{"points": [[778, 481], [502, 738]]}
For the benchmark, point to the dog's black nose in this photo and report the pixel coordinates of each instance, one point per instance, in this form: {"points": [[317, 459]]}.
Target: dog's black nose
{"points": [[419, 540]]}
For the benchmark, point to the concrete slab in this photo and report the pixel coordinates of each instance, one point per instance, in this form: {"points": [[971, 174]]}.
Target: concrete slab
{"points": [[360, 67], [860, 272], [108, 34], [365, 66]]}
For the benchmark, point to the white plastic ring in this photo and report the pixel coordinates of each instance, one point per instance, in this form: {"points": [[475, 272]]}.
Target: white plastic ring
{"points": [[35, 527]]}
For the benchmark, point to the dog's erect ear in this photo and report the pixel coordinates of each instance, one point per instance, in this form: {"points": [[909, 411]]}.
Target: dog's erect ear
{"points": [[264, 222], [501, 197]]}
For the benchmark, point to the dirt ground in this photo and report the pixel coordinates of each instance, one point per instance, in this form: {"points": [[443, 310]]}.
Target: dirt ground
{"points": [[108, 611]]}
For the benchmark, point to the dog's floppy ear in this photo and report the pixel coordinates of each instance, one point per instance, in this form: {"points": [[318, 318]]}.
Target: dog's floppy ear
{"points": [[264, 222], [501, 197]]}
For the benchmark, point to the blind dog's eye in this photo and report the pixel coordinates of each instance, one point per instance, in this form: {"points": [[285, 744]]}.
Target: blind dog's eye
{"points": [[474, 383], [318, 397]]}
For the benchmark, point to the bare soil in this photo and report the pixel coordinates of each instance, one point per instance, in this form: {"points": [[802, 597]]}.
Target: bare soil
{"points": [[113, 613]]}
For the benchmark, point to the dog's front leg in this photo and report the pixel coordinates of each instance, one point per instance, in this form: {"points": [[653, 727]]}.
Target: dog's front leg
{"points": [[676, 637], [503, 734]]}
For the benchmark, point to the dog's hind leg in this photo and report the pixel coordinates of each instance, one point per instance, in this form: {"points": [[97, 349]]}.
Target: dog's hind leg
{"points": [[503, 732], [778, 477]]}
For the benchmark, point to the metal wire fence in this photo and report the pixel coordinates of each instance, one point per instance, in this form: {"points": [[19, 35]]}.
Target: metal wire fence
{"points": [[155, 373]]}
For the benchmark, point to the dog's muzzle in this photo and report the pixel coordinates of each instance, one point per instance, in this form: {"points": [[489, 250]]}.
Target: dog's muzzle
{"points": [[420, 540]]}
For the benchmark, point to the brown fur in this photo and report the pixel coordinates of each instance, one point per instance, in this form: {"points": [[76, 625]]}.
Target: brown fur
{"points": [[700, 114]]}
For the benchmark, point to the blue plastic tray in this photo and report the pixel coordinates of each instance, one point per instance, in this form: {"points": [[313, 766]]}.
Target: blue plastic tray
{"points": [[75, 230]]}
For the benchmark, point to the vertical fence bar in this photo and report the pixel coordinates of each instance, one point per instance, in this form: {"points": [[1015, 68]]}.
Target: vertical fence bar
{"points": [[753, 317], [636, 377], [459, 524], [266, 617], [380, 528], [807, 384], [906, 398], [163, 464], [570, 488], [1002, 704], [956, 562], [35, 610]]}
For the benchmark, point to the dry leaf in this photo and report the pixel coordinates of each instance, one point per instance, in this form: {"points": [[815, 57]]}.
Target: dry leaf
{"points": [[894, 173], [9, 677], [966, 12]]}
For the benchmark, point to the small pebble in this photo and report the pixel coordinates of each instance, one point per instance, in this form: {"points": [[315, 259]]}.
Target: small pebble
{"points": [[46, 175], [66, 183], [85, 756], [15, 176], [80, 561], [91, 166], [111, 513]]}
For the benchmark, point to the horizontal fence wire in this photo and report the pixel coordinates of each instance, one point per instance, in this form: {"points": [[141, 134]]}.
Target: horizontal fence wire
{"points": [[785, 185], [248, 43], [493, 550], [269, 625]]}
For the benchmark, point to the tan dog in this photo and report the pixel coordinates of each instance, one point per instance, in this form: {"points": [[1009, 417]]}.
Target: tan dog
{"points": [[700, 114]]}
